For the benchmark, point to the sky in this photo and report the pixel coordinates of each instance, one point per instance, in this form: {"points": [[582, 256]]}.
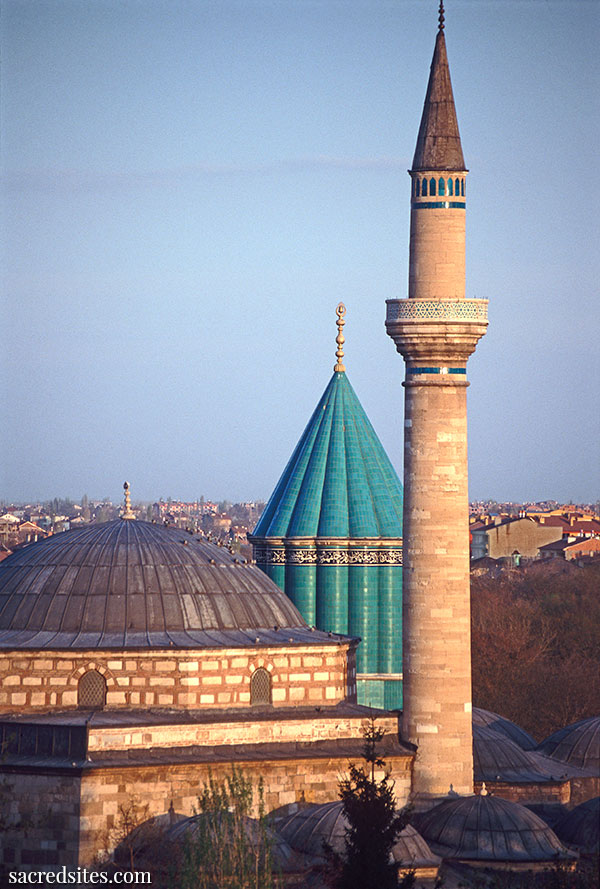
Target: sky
{"points": [[190, 188]]}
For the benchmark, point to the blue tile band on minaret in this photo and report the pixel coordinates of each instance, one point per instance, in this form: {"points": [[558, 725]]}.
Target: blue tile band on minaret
{"points": [[331, 537]]}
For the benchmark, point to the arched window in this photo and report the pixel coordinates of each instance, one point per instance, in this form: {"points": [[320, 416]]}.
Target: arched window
{"points": [[442, 186], [416, 187], [424, 188], [462, 187], [260, 687], [91, 691], [450, 189], [432, 187], [457, 187]]}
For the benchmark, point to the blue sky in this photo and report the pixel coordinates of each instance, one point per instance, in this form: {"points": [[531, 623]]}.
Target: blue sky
{"points": [[191, 187]]}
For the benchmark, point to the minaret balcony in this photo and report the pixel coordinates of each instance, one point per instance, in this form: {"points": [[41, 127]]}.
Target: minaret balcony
{"points": [[442, 310], [436, 329]]}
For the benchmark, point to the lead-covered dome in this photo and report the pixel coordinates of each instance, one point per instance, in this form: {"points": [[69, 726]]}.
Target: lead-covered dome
{"points": [[577, 744], [488, 828], [134, 584], [503, 726], [581, 826], [497, 758], [307, 829]]}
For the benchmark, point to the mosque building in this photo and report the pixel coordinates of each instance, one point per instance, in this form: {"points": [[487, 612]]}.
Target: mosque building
{"points": [[136, 659]]}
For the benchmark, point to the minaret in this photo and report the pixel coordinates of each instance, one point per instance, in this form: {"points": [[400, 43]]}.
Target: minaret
{"points": [[436, 330]]}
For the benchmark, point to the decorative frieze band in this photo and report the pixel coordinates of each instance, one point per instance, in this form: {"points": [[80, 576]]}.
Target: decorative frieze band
{"points": [[267, 555], [444, 310]]}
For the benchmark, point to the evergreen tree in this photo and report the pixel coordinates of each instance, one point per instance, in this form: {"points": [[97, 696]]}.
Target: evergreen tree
{"points": [[373, 824]]}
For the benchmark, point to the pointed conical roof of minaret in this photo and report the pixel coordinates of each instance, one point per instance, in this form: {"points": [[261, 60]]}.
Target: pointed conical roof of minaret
{"points": [[438, 143], [339, 481]]}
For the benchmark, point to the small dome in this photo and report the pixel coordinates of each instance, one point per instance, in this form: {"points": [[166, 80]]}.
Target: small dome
{"points": [[497, 758], [577, 744], [307, 829], [488, 828], [135, 584], [581, 827], [487, 719], [284, 858]]}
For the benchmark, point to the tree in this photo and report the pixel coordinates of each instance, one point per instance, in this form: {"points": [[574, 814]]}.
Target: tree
{"points": [[227, 848], [373, 824], [534, 629]]}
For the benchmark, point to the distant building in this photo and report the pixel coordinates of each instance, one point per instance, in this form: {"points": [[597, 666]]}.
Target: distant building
{"points": [[8, 526], [571, 548], [512, 536]]}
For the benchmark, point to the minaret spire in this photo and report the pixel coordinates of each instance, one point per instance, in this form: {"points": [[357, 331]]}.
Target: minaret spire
{"points": [[438, 142]]}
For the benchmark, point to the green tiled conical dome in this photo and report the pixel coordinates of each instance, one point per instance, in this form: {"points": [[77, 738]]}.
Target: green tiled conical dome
{"points": [[331, 537], [339, 481]]}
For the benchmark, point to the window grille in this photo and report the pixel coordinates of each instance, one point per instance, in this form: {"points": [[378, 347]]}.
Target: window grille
{"points": [[91, 691], [260, 687]]}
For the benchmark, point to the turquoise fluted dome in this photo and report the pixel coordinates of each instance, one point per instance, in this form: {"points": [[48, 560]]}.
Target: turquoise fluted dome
{"points": [[339, 481], [331, 538]]}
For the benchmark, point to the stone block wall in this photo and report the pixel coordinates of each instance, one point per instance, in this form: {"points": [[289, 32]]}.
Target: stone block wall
{"points": [[319, 674], [548, 792], [321, 727], [289, 781], [39, 819]]}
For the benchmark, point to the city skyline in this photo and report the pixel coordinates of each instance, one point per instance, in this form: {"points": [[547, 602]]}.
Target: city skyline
{"points": [[190, 189]]}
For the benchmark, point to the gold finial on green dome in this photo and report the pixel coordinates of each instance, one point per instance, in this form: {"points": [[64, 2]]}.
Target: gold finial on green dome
{"points": [[340, 338], [127, 513]]}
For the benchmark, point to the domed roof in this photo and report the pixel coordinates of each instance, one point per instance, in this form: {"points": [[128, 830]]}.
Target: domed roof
{"points": [[488, 828], [307, 829], [134, 584], [485, 718], [497, 758], [284, 858], [577, 744], [339, 481], [581, 826]]}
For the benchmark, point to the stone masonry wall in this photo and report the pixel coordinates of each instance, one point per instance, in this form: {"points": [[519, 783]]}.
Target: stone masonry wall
{"points": [[555, 792], [178, 679], [39, 819], [321, 727], [286, 782]]}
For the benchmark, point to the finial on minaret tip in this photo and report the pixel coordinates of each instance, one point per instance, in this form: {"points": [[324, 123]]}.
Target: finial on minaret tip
{"points": [[483, 791], [127, 513], [340, 338], [441, 16]]}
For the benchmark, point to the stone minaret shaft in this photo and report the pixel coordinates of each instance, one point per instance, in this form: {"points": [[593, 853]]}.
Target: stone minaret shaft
{"points": [[435, 330]]}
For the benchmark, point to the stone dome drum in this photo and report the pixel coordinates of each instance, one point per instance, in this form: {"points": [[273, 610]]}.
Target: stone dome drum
{"points": [[131, 584]]}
